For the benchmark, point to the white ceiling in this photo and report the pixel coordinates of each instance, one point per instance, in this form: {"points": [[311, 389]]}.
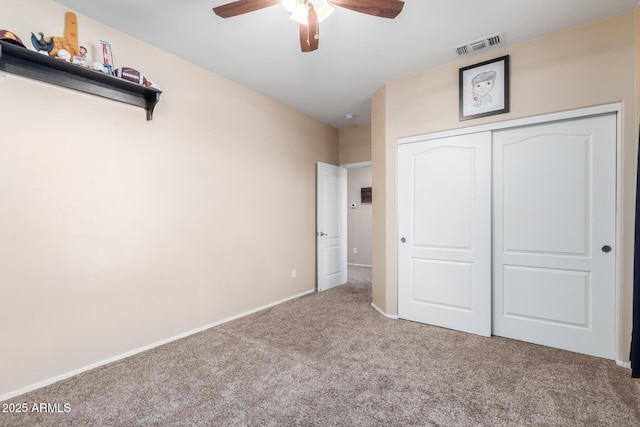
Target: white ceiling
{"points": [[358, 53]]}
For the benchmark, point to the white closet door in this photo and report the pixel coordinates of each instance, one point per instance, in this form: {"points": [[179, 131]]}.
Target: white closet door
{"points": [[554, 220], [444, 211]]}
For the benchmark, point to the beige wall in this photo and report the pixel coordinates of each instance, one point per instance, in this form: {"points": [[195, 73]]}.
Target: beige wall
{"points": [[355, 144], [116, 233], [358, 219], [355, 147], [587, 66]]}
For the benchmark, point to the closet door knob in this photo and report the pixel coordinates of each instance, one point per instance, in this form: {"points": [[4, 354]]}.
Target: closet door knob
{"points": [[606, 249], [403, 240]]}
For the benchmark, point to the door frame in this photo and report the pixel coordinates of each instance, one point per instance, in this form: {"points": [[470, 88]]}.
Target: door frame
{"points": [[546, 118], [349, 166], [346, 166]]}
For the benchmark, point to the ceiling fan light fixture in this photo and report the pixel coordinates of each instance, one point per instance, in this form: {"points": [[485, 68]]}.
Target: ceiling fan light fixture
{"points": [[301, 14], [309, 13], [324, 11], [289, 5]]}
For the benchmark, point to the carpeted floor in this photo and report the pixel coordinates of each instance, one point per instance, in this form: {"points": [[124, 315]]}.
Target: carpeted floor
{"points": [[329, 359]]}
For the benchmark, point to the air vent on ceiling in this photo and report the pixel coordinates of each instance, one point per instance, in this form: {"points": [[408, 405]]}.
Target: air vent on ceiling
{"points": [[475, 46], [462, 50], [495, 40]]}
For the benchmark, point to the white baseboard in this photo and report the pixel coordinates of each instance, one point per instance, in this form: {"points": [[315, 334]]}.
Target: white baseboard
{"points": [[360, 265], [623, 364], [388, 316], [66, 375]]}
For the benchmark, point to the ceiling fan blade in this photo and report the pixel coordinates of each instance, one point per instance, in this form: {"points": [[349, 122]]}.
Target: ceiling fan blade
{"points": [[242, 6], [381, 8], [310, 34]]}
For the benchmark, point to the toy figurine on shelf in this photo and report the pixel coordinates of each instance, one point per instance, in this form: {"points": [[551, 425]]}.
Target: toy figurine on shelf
{"points": [[63, 55], [51, 45], [98, 66], [81, 57], [41, 45], [107, 57]]}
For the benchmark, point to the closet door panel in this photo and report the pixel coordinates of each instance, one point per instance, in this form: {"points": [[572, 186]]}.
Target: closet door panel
{"points": [[554, 209], [444, 211], [547, 188]]}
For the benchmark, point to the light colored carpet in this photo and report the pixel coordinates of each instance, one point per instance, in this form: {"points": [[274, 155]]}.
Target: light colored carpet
{"points": [[330, 359]]}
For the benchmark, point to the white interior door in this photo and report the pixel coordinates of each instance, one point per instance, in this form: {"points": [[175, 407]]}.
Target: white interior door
{"points": [[331, 226], [554, 220], [444, 211]]}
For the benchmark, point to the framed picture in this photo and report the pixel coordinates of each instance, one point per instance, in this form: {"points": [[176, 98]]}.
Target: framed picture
{"points": [[484, 89], [365, 195]]}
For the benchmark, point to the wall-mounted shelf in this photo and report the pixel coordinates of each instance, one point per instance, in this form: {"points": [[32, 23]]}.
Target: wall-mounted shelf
{"points": [[24, 62]]}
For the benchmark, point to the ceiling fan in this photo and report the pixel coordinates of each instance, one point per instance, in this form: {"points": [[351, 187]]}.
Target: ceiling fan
{"points": [[309, 13]]}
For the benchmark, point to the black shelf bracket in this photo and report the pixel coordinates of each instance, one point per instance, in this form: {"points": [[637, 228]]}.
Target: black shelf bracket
{"points": [[24, 62]]}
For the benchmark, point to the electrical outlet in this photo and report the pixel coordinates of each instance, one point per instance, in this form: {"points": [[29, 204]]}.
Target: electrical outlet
{"points": [[355, 250], [293, 273]]}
